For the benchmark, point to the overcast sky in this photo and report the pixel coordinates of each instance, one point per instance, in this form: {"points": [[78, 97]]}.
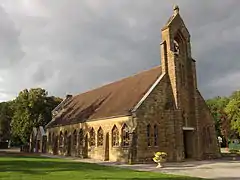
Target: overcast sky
{"points": [[71, 46]]}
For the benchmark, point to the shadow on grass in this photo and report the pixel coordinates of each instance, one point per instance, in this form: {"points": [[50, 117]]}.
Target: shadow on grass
{"points": [[36, 165], [41, 165]]}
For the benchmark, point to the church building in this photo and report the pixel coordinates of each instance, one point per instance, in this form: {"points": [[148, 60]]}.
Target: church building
{"points": [[160, 109]]}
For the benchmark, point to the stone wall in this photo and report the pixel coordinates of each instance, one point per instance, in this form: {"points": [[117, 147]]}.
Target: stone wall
{"points": [[118, 153], [159, 109], [208, 139]]}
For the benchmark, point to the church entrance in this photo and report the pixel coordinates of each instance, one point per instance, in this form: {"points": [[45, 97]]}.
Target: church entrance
{"points": [[107, 147], [188, 144]]}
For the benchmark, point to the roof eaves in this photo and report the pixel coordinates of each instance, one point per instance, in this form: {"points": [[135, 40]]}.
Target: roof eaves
{"points": [[147, 93], [89, 120]]}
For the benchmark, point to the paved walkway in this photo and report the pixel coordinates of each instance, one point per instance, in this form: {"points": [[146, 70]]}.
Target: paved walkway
{"points": [[224, 169]]}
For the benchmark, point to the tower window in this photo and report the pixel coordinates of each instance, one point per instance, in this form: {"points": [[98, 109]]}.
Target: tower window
{"points": [[176, 47]]}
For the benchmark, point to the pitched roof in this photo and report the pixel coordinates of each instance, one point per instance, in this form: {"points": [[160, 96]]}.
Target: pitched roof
{"points": [[115, 99]]}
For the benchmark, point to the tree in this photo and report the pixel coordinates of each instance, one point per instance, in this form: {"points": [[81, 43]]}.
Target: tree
{"points": [[32, 108], [225, 126], [217, 106], [233, 111], [6, 114]]}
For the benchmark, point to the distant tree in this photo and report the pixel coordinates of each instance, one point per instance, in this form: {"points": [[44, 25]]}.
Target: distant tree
{"points": [[6, 114], [233, 111], [217, 106], [32, 108], [225, 126]]}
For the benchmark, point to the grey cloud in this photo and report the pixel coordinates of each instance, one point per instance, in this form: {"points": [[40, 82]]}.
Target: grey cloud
{"points": [[74, 46], [10, 47]]}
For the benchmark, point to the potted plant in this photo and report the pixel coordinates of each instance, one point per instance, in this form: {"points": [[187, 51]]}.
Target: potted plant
{"points": [[159, 158]]}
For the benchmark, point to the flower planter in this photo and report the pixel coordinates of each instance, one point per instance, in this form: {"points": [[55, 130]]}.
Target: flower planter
{"points": [[159, 158]]}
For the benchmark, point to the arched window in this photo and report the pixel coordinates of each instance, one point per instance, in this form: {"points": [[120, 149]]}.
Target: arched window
{"points": [[92, 137], [180, 49], [184, 118], [52, 138], [75, 138], [61, 139], [80, 138], [155, 135], [115, 136], [65, 138], [100, 137], [148, 135], [176, 47], [125, 135], [49, 138]]}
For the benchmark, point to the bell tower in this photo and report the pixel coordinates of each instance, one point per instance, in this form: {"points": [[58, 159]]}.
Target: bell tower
{"points": [[178, 65], [176, 58]]}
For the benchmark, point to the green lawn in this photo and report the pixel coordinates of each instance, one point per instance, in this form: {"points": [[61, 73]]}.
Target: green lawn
{"points": [[39, 168]]}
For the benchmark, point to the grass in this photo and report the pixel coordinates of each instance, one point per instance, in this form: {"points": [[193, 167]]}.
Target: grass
{"points": [[40, 168]]}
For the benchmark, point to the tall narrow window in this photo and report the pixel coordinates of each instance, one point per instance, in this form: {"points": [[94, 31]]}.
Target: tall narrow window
{"points": [[61, 139], [148, 135], [80, 137], [75, 138], [92, 137], [100, 137], [65, 139], [52, 139], [155, 135], [49, 138], [125, 135], [115, 136], [55, 144], [184, 118], [176, 47]]}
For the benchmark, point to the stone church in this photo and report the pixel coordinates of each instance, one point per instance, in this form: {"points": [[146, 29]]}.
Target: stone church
{"points": [[160, 109]]}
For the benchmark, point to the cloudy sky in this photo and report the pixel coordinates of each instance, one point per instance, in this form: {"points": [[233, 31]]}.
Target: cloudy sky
{"points": [[70, 46]]}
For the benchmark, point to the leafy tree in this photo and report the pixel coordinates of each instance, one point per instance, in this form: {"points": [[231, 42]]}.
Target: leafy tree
{"points": [[217, 106], [32, 108], [233, 111], [6, 114]]}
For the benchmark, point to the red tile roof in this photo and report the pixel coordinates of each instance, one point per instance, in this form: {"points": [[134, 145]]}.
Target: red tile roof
{"points": [[114, 99]]}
